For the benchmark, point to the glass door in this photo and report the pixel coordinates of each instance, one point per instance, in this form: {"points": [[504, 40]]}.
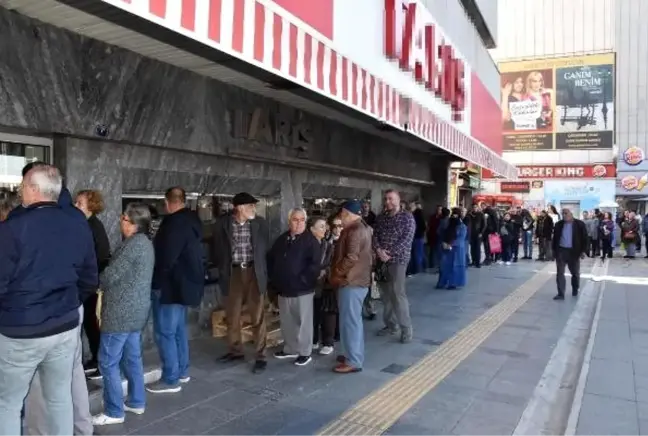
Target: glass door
{"points": [[16, 151]]}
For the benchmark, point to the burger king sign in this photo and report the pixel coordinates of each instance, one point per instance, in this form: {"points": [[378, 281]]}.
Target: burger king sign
{"points": [[633, 156]]}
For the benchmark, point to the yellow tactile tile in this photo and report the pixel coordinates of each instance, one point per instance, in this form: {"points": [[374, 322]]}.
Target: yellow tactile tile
{"points": [[378, 411]]}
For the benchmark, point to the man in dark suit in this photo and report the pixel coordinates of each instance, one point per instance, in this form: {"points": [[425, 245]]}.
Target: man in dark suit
{"points": [[240, 244], [569, 247]]}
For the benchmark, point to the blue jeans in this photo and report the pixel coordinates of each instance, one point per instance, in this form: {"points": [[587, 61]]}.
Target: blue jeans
{"points": [[527, 240], [170, 331], [350, 300], [124, 349]]}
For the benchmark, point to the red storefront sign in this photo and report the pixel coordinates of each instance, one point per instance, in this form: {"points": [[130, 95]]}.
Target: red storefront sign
{"points": [[431, 60], [519, 187], [589, 171]]}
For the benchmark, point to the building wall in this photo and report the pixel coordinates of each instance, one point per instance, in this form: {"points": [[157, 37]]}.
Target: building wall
{"points": [[451, 15], [632, 89], [530, 29], [489, 11]]}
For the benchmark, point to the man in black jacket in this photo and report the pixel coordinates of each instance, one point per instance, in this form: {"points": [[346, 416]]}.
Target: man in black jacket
{"points": [[294, 264], [569, 246], [178, 282], [477, 229]]}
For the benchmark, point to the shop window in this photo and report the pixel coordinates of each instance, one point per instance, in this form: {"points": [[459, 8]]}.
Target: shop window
{"points": [[14, 156]]}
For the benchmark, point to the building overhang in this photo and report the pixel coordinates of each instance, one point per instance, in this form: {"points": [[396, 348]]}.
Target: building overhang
{"points": [[183, 33]]}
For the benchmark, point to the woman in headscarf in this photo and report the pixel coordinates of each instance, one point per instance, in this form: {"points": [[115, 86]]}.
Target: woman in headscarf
{"points": [[452, 272]]}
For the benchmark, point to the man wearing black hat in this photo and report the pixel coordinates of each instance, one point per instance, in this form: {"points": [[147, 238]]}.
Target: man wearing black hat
{"points": [[240, 244]]}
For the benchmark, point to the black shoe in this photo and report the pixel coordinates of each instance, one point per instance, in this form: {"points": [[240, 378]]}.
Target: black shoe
{"points": [[515, 260], [559, 297], [575, 293], [283, 355], [259, 366], [371, 317], [231, 357], [303, 360]]}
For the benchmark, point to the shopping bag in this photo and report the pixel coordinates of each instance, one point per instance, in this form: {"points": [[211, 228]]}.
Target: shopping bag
{"points": [[495, 243]]}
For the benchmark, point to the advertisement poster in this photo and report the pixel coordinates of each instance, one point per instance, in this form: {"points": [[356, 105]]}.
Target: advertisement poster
{"points": [[632, 172], [558, 104], [579, 195]]}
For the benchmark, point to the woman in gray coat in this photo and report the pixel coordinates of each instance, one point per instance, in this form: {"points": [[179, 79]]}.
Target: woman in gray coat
{"points": [[126, 286]]}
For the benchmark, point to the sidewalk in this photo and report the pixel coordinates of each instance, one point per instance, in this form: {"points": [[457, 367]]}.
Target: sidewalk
{"points": [[615, 395], [485, 394]]}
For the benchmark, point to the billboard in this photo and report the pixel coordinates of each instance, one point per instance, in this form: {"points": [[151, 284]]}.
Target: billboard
{"points": [[558, 103]]}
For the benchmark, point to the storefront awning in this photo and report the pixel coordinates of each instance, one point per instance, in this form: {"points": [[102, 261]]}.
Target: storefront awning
{"points": [[256, 45]]}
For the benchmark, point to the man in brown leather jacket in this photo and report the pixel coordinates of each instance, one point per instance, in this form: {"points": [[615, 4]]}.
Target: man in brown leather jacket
{"points": [[351, 275]]}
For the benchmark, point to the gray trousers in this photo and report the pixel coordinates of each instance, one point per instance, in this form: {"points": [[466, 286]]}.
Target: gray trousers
{"points": [[396, 312], [35, 403], [53, 358], [296, 319]]}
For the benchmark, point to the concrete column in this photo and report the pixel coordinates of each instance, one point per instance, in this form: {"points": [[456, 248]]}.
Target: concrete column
{"points": [[291, 193]]}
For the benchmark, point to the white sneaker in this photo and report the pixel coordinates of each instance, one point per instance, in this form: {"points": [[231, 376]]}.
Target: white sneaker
{"points": [[326, 350], [500, 262], [508, 263], [134, 410], [103, 419], [317, 346], [186, 379]]}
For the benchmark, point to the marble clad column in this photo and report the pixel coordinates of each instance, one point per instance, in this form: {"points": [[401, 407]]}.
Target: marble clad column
{"points": [[93, 165], [376, 200], [291, 194]]}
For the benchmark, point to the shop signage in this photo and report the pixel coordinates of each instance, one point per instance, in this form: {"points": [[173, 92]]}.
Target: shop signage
{"points": [[520, 187], [412, 39], [633, 156], [474, 182], [566, 172], [264, 126]]}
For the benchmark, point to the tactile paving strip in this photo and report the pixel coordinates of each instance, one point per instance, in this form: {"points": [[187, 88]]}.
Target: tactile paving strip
{"points": [[377, 412]]}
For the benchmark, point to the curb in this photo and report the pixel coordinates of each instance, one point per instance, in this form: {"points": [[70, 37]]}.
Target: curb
{"points": [[574, 414], [547, 410], [95, 397]]}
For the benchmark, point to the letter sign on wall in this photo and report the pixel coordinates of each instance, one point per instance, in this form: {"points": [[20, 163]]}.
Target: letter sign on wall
{"points": [[414, 44]]}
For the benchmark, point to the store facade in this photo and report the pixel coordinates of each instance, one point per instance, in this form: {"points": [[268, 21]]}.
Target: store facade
{"points": [[223, 96], [578, 187]]}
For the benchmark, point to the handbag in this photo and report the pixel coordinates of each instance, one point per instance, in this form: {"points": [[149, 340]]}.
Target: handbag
{"points": [[495, 243]]}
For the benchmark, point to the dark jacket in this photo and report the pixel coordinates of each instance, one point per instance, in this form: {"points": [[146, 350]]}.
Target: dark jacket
{"points": [[294, 264], [101, 242], [630, 230], [126, 286], [352, 257], [326, 254], [47, 268], [432, 229], [180, 259], [579, 236], [544, 227], [516, 219], [419, 221], [492, 222], [370, 218], [477, 224], [507, 231], [222, 250]]}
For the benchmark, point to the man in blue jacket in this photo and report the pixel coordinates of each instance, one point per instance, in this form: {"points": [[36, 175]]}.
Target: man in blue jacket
{"points": [[47, 266], [178, 282]]}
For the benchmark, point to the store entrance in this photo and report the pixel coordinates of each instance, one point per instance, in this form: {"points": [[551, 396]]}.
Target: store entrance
{"points": [[16, 151]]}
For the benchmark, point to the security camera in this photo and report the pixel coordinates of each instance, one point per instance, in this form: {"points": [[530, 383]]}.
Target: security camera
{"points": [[101, 130]]}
